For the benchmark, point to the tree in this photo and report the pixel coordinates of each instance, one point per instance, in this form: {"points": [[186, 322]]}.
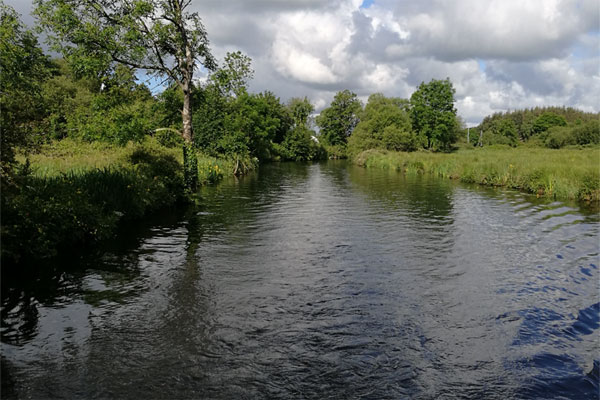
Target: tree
{"points": [[232, 78], [158, 36], [24, 68], [338, 120], [548, 120], [384, 124], [433, 114], [300, 110]]}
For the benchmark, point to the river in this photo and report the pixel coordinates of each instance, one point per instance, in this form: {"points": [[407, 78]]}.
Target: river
{"points": [[323, 281]]}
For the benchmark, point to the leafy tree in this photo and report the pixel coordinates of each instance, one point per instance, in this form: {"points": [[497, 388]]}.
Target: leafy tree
{"points": [[112, 108], [168, 106], [501, 131], [159, 36], [209, 120], [299, 145], [433, 114], [232, 122], [23, 68], [385, 124], [548, 120], [338, 120], [232, 78], [300, 110]]}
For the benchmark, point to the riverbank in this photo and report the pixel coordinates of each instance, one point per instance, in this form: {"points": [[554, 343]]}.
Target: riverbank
{"points": [[561, 174], [72, 194]]}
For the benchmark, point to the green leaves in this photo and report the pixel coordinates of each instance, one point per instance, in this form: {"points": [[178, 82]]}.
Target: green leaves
{"points": [[338, 120], [300, 109], [23, 68], [433, 114], [384, 124]]}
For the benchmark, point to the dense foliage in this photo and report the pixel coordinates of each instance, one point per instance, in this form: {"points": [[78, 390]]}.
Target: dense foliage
{"points": [[337, 122], [384, 124], [552, 127], [433, 114], [42, 215], [24, 68]]}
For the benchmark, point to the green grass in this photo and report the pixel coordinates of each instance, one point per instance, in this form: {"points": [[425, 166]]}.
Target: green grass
{"points": [[77, 157], [560, 174]]}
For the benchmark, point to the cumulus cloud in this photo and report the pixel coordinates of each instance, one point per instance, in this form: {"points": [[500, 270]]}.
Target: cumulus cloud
{"points": [[499, 54]]}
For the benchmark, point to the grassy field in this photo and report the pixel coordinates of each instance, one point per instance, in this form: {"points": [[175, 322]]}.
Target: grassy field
{"points": [[560, 174]]}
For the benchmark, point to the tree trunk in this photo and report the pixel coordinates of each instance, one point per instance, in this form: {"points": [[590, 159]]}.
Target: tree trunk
{"points": [[190, 162], [186, 114]]}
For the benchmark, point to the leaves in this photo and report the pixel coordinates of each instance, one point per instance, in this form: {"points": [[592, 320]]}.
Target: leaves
{"points": [[433, 114], [339, 120]]}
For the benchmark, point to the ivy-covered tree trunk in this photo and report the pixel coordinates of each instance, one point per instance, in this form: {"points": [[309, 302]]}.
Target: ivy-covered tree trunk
{"points": [[190, 162], [190, 167]]}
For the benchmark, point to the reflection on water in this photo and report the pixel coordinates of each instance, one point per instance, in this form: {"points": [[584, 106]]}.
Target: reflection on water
{"points": [[320, 281]]}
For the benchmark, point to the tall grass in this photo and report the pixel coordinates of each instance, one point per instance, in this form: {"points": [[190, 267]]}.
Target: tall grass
{"points": [[560, 174]]}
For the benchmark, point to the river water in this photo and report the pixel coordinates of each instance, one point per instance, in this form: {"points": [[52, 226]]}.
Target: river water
{"points": [[320, 281]]}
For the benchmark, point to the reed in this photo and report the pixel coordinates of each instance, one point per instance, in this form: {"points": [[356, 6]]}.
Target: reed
{"points": [[560, 174]]}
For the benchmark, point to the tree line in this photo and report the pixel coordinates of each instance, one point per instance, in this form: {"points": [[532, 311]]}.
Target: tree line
{"points": [[553, 127]]}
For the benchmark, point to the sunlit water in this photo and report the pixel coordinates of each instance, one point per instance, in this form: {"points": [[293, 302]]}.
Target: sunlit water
{"points": [[320, 281]]}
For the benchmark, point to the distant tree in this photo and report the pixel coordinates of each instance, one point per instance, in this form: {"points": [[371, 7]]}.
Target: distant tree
{"points": [[506, 127], [300, 110], [23, 70], [233, 76], [587, 133], [433, 114], [338, 120], [158, 36], [384, 124], [548, 120]]}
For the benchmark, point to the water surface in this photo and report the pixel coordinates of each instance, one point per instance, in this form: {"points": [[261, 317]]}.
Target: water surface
{"points": [[320, 281]]}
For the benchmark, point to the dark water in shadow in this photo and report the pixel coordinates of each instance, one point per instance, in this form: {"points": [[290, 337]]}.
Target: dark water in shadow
{"points": [[320, 281]]}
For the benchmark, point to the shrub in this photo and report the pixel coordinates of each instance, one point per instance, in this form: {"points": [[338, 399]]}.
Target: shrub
{"points": [[42, 215], [299, 145], [397, 139], [588, 133], [558, 137]]}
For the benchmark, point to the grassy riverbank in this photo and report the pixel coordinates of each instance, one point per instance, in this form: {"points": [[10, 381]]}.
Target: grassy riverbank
{"points": [[71, 193], [560, 174]]}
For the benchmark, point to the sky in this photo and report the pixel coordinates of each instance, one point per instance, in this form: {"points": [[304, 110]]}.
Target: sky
{"points": [[499, 54]]}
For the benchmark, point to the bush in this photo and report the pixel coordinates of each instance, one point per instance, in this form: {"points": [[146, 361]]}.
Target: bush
{"points": [[41, 215], [558, 137], [336, 152], [397, 139], [588, 133], [299, 145]]}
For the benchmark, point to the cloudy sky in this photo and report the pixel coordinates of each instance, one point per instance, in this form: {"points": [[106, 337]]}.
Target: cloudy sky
{"points": [[499, 54]]}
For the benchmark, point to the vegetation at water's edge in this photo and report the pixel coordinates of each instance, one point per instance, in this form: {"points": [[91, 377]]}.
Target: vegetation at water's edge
{"points": [[73, 193], [563, 174]]}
